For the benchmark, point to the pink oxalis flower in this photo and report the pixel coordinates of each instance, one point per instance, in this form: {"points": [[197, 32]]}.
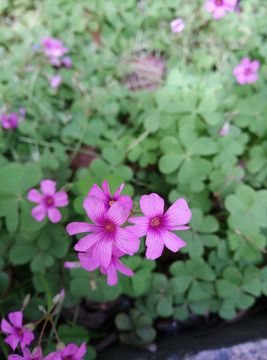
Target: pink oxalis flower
{"points": [[219, 7], [107, 199], [246, 72], [10, 122], [27, 355], [66, 61], [107, 235], [70, 352], [18, 333], [48, 202], [54, 47], [177, 25], [55, 81], [156, 225], [224, 130]]}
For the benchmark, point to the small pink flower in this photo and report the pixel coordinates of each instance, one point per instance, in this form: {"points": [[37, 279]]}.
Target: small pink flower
{"points": [[10, 122], [246, 71], [27, 355], [157, 226], [48, 202], [177, 25], [54, 61], [55, 81], [219, 7], [107, 235], [108, 200], [66, 61], [72, 264], [70, 352], [18, 333], [54, 47], [224, 130]]}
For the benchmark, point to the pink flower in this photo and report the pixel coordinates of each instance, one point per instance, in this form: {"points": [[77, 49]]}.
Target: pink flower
{"points": [[54, 47], [107, 235], [157, 226], [10, 122], [108, 200], [55, 81], [177, 25], [224, 130], [219, 7], [48, 202], [66, 61], [89, 263], [18, 333], [70, 352], [36, 355], [72, 264], [246, 71], [54, 61]]}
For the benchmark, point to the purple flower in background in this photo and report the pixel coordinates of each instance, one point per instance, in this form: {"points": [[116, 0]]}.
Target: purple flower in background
{"points": [[70, 352], [55, 81], [35, 47], [22, 112], [54, 61], [66, 61], [48, 202], [72, 264], [224, 130], [54, 47], [18, 333], [219, 7], [246, 72], [157, 226], [177, 25], [10, 122], [27, 355]]}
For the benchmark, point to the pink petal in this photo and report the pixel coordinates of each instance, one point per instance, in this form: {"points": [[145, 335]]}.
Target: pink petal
{"points": [[97, 192], [38, 354], [70, 349], [27, 338], [219, 12], [82, 350], [152, 205], [239, 69], [102, 251], [241, 79], [26, 352], [72, 264], [118, 191], [5, 122], [117, 214], [112, 277], [53, 356], [48, 187], [6, 327], [126, 201], [154, 245], [106, 189], [229, 4], [61, 198], [172, 241], [39, 212], [80, 227], [95, 209], [54, 215], [255, 65], [141, 225], [126, 241], [251, 78], [178, 214], [88, 262], [245, 62], [85, 243], [16, 319], [122, 268], [16, 357], [209, 5], [34, 196], [12, 341]]}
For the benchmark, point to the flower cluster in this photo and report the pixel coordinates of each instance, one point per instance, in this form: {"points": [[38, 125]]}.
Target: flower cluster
{"points": [[12, 121], [110, 238]]}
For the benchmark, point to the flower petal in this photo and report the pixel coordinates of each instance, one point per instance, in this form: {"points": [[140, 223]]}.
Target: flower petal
{"points": [[252, 77], [178, 227], [95, 209], [241, 79], [106, 189], [209, 5], [117, 214], [177, 214], [255, 65], [219, 12], [126, 201], [6, 327], [15, 357], [85, 243], [172, 241], [97, 192], [39, 212], [152, 205], [117, 192], [27, 337], [102, 251], [126, 241], [154, 245], [239, 69], [80, 227], [88, 262], [61, 198], [122, 268], [54, 215], [12, 341], [245, 62], [16, 319], [34, 196], [70, 349], [82, 350], [48, 187], [141, 225], [112, 277]]}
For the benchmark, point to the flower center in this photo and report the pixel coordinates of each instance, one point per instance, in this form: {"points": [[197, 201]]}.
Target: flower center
{"points": [[20, 332], [49, 201], [248, 71], [109, 226], [111, 202], [219, 2], [155, 222]]}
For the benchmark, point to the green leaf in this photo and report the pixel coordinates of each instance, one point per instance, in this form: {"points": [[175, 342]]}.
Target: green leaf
{"points": [[123, 322], [159, 281], [10, 179], [178, 285], [21, 254], [203, 146], [147, 334], [113, 155], [180, 312], [73, 334], [208, 103], [196, 293], [164, 306], [225, 287], [170, 162]]}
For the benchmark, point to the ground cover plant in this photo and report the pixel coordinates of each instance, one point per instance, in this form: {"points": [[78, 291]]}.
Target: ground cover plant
{"points": [[167, 98]]}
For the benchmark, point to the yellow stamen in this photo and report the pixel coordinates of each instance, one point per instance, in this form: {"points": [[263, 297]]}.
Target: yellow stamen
{"points": [[109, 226], [111, 202], [155, 222]]}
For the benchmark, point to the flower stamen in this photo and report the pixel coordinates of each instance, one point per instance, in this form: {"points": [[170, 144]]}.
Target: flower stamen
{"points": [[109, 226], [155, 222], [111, 202]]}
